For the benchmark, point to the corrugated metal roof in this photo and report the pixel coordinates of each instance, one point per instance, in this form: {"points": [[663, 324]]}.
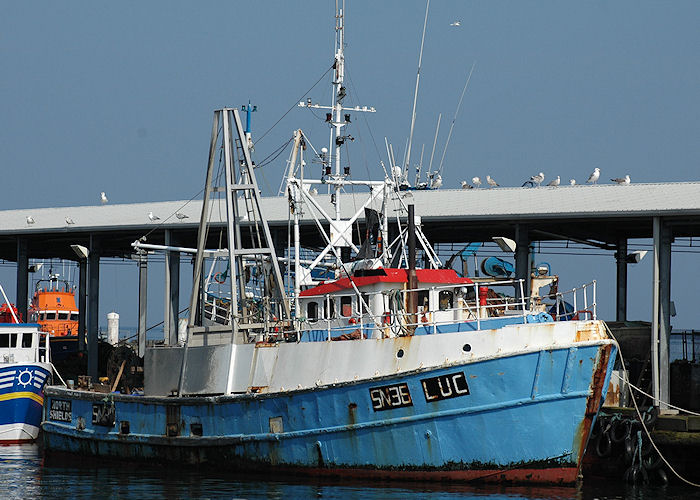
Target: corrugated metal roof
{"points": [[635, 200]]}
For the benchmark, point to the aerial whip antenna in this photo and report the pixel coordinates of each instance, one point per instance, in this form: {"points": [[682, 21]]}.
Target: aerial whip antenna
{"points": [[466, 84]]}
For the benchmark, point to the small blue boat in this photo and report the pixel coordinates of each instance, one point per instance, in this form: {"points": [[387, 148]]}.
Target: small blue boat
{"points": [[24, 371]]}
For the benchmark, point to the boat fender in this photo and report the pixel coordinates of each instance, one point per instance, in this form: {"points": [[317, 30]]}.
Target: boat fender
{"points": [[386, 318], [604, 446], [620, 430], [542, 317], [652, 461]]}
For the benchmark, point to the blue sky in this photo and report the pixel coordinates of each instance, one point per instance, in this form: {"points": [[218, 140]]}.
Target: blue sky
{"points": [[118, 96]]}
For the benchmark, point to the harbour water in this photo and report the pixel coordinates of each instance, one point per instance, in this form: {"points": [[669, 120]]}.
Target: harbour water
{"points": [[26, 473]]}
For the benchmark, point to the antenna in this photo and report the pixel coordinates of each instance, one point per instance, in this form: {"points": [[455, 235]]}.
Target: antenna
{"points": [[437, 129], [415, 94], [459, 105]]}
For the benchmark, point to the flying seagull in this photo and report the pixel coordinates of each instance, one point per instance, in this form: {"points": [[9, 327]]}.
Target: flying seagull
{"points": [[181, 216], [555, 182], [624, 181], [103, 198], [466, 185], [572, 182], [491, 182], [30, 219], [594, 176], [476, 181], [152, 216], [69, 220], [537, 179], [456, 23]]}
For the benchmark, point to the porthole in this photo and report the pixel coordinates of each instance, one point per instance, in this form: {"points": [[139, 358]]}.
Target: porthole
{"points": [[399, 354], [466, 348]]}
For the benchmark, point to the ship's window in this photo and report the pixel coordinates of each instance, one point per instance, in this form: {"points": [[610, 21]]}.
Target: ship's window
{"points": [[63, 316], [42, 317], [312, 311], [74, 317], [423, 300], [364, 303], [27, 339], [445, 299], [328, 308], [346, 306], [4, 340], [50, 315]]}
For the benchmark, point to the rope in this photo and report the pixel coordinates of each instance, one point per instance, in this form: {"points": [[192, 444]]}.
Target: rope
{"points": [[295, 102], [641, 418]]}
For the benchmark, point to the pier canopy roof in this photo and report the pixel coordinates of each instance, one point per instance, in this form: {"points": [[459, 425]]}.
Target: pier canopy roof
{"points": [[602, 213]]}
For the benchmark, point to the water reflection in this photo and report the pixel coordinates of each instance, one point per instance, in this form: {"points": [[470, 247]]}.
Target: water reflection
{"points": [[25, 474]]}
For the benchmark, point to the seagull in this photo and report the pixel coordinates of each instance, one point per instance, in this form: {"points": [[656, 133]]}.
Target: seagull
{"points": [[466, 185], [476, 181], [181, 216], [30, 219], [69, 220], [456, 23], [436, 182], [491, 182], [103, 197], [594, 176], [152, 216], [555, 182], [537, 179], [623, 181], [572, 182]]}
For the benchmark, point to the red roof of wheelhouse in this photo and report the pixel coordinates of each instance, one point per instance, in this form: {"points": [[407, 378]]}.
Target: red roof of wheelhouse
{"points": [[390, 275]]}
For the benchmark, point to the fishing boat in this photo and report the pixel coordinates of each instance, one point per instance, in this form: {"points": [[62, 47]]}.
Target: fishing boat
{"points": [[381, 371], [25, 369]]}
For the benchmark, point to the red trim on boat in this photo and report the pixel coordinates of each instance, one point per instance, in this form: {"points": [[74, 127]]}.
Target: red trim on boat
{"points": [[436, 276]]}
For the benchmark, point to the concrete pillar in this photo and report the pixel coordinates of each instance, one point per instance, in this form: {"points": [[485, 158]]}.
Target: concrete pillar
{"points": [[143, 302], [661, 314], [522, 258], [21, 297], [93, 313], [172, 291], [82, 302], [621, 259]]}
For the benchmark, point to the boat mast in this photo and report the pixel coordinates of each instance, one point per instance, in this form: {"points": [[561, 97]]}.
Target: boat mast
{"points": [[337, 102]]}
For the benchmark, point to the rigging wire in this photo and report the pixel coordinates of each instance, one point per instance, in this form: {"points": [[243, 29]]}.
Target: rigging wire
{"points": [[295, 103]]}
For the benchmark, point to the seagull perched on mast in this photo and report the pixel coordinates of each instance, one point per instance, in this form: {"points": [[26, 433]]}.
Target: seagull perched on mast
{"points": [[153, 217], [476, 181], [491, 182], [555, 182], [103, 198], [537, 179], [594, 176], [623, 181]]}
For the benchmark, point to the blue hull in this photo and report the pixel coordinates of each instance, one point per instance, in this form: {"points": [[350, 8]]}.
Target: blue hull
{"points": [[21, 401], [524, 417]]}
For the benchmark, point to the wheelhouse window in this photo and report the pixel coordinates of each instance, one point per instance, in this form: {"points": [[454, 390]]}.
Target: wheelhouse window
{"points": [[50, 315], [423, 300], [328, 308], [63, 316], [346, 306], [8, 340], [312, 311], [74, 317], [446, 299], [27, 339]]}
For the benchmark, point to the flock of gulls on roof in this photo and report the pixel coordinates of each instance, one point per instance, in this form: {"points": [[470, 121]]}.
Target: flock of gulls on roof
{"points": [[538, 179], [104, 200]]}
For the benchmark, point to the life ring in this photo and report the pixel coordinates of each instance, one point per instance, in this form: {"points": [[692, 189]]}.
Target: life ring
{"points": [[219, 279]]}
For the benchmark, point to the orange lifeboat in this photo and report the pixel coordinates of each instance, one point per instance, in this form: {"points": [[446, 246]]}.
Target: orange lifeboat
{"points": [[53, 307]]}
